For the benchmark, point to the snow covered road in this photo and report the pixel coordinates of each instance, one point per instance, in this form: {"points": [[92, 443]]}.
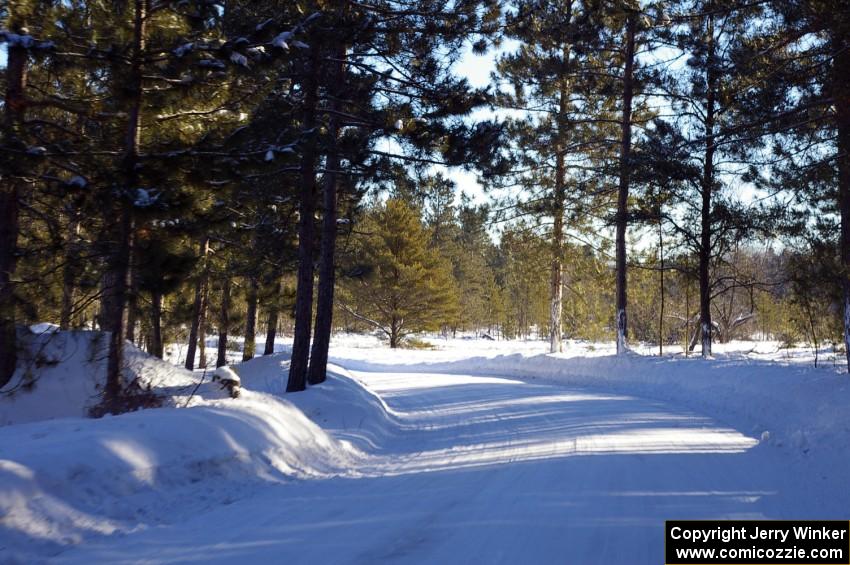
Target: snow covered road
{"points": [[471, 469]]}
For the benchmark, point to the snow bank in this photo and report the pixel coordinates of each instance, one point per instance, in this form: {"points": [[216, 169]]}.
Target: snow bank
{"points": [[65, 478], [752, 389], [61, 375], [342, 405]]}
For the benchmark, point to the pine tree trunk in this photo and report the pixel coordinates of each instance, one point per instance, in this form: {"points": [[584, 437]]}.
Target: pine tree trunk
{"points": [[250, 344], [687, 307], [304, 293], [623, 189], [202, 326], [223, 323], [199, 305], [661, 289], [394, 334], [132, 297], [274, 312], [842, 105], [707, 188], [114, 307], [119, 262], [69, 273], [8, 244], [558, 208], [14, 104], [325, 298], [155, 345]]}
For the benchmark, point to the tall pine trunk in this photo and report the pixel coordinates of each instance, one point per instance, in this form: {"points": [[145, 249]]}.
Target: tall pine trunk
{"points": [[132, 296], [661, 288], [623, 189], [202, 328], [14, 104], [8, 243], [155, 344], [559, 202], [841, 74], [223, 323], [274, 312], [558, 208], [707, 188], [69, 272], [687, 307], [118, 264], [250, 344], [199, 306], [325, 298], [114, 306], [306, 230]]}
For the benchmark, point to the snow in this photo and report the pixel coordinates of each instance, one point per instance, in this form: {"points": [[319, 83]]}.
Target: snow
{"points": [[77, 182], [75, 478], [270, 152], [15, 39], [61, 373], [281, 40], [184, 49], [212, 63], [225, 373], [239, 59], [44, 327], [755, 387], [474, 451], [23, 40], [145, 198]]}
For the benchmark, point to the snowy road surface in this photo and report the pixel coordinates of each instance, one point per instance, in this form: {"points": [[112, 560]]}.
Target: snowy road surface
{"points": [[491, 470]]}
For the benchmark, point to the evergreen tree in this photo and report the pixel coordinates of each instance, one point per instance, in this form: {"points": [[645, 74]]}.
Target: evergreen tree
{"points": [[722, 127], [399, 58], [524, 255], [552, 77], [20, 160], [806, 50], [399, 285]]}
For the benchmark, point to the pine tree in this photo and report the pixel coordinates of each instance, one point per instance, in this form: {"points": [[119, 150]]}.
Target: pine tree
{"points": [[19, 163], [140, 104], [395, 81], [399, 285], [523, 264], [722, 128], [553, 77], [807, 92], [631, 19]]}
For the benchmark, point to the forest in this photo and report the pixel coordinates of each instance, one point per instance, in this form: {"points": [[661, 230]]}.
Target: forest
{"points": [[668, 172]]}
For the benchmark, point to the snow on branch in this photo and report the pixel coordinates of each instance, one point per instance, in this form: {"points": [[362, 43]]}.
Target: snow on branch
{"points": [[23, 40]]}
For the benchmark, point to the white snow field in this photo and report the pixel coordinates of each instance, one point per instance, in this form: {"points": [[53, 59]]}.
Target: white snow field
{"points": [[478, 452]]}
